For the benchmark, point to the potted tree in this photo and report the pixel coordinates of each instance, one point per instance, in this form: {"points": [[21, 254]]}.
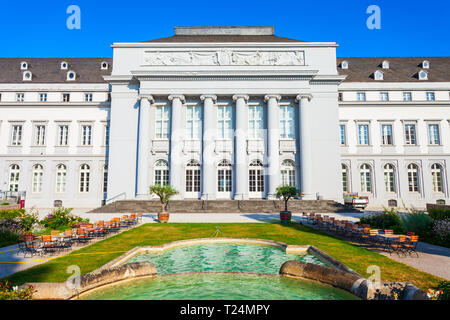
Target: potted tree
{"points": [[164, 193], [285, 193]]}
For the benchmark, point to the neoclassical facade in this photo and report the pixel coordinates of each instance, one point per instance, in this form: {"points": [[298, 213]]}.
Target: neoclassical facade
{"points": [[225, 113]]}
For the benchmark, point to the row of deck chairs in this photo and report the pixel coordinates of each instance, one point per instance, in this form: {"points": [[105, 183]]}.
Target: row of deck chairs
{"points": [[57, 241]]}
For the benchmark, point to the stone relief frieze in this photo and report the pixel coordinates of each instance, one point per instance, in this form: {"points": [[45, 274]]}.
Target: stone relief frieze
{"points": [[225, 58]]}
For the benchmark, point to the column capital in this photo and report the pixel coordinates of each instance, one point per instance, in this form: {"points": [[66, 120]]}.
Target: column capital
{"points": [[208, 96], [240, 96], [267, 97], [147, 97], [177, 96], [304, 96]]}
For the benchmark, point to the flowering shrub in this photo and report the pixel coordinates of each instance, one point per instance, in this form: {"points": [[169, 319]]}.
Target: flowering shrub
{"points": [[61, 217], [18, 221], [7, 292], [444, 288], [439, 214], [441, 231]]}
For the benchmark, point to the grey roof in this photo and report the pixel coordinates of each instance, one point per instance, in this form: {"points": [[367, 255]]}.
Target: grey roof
{"points": [[224, 38], [48, 70], [401, 69]]}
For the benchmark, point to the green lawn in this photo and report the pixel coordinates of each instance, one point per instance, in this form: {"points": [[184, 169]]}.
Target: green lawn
{"points": [[96, 255]]}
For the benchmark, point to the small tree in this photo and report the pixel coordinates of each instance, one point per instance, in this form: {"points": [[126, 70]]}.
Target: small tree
{"points": [[286, 193], [164, 193]]}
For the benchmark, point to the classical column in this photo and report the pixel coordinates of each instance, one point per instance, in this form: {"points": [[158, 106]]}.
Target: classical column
{"points": [[306, 174], [144, 147], [176, 145], [273, 143], [209, 134], [240, 148]]}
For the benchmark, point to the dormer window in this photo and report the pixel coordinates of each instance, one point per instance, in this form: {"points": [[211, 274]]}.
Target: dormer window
{"points": [[27, 76], [23, 65], [104, 65], [423, 75], [385, 64], [378, 75], [71, 76], [344, 64], [426, 64], [64, 65]]}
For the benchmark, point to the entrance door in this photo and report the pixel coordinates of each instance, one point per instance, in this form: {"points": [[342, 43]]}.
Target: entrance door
{"points": [[256, 180], [224, 180], [193, 178]]}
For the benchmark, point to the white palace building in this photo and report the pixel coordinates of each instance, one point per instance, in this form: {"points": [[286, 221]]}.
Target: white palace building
{"points": [[225, 113]]}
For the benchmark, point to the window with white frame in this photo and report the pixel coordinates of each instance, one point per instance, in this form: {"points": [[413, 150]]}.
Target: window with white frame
{"points": [[436, 177], [363, 134], [255, 122], [287, 122], [63, 135], [105, 178], [161, 172], [430, 96], [193, 176], [433, 134], [88, 97], [407, 96], [343, 135], [345, 185], [389, 177], [20, 97], [361, 96], [38, 173], [16, 135], [413, 177], [366, 178], [86, 135], [14, 171], [39, 135], [66, 97], [384, 96], [84, 178], [288, 173], [256, 176], [224, 122], [386, 134], [61, 173], [410, 134], [224, 176], [162, 122], [43, 97], [194, 122]]}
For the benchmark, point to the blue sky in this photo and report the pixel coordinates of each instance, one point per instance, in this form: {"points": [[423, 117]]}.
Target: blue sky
{"points": [[31, 28]]}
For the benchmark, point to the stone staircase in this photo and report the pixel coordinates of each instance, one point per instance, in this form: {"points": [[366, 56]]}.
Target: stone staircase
{"points": [[223, 206]]}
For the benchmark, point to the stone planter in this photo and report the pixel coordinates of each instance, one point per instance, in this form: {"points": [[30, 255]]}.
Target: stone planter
{"points": [[285, 216], [163, 217]]}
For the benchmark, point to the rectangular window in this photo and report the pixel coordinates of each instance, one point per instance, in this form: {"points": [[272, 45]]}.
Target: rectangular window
{"points": [[363, 134], [255, 122], [16, 135], [384, 96], [386, 134], [342, 135], [287, 122], [66, 97], [433, 134], [224, 122], [106, 136], [39, 135], [410, 134], [361, 96], [430, 96], [194, 122], [407, 96], [86, 135], [20, 97], [162, 122], [43, 97], [63, 135], [88, 97]]}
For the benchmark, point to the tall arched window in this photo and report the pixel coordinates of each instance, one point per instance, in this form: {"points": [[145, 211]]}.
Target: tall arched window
{"points": [[389, 177], [14, 171], [413, 177], [193, 176], [61, 173], [288, 173], [436, 176], [84, 178], [366, 178], [161, 172], [38, 173], [256, 176], [345, 186], [224, 176]]}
